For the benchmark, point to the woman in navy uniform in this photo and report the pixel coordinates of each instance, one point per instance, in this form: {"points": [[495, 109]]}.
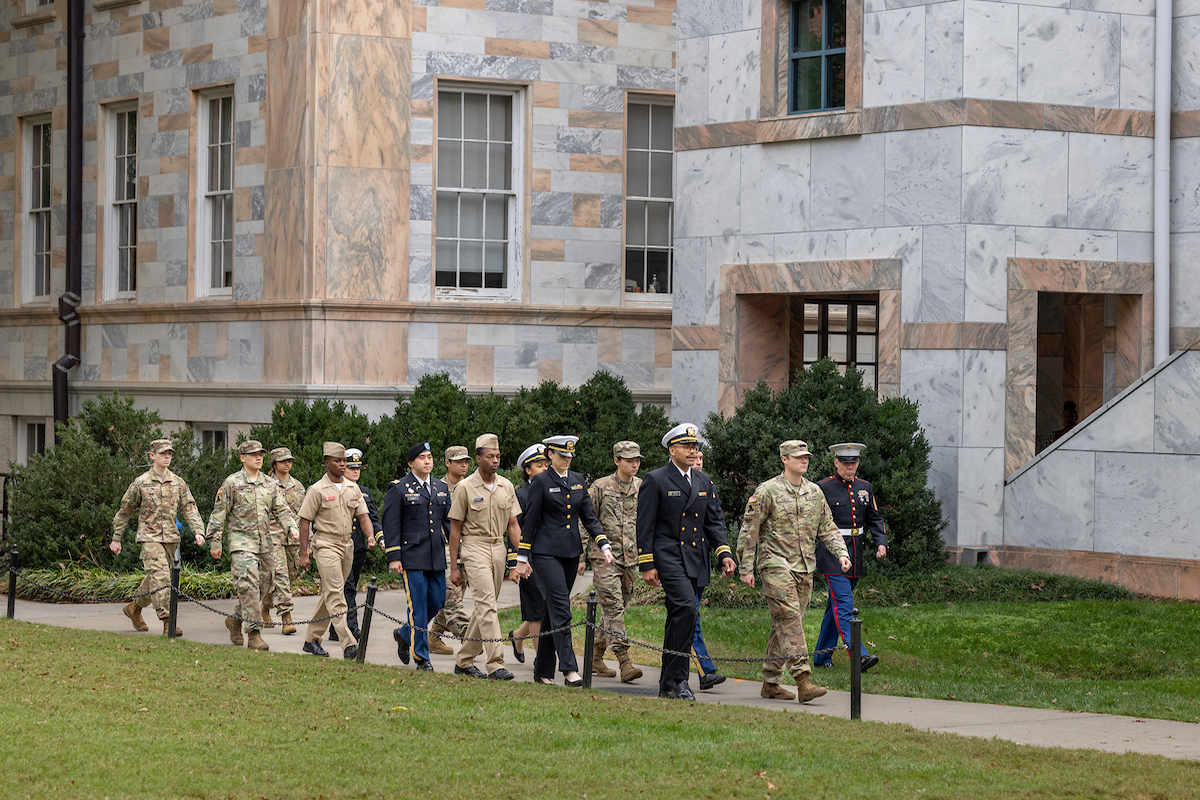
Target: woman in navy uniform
{"points": [[855, 513], [678, 523], [416, 524], [533, 601], [558, 504]]}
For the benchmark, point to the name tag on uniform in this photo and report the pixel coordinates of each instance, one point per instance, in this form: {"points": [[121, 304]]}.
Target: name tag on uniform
{"points": [[555, 489], [477, 500], [330, 499], [673, 493]]}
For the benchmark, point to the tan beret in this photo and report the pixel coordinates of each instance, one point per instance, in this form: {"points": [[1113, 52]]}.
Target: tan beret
{"points": [[794, 447], [334, 450], [627, 450], [488, 441]]}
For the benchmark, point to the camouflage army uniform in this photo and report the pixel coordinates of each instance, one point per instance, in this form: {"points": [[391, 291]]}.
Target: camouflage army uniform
{"points": [[285, 551], [157, 501], [249, 505], [616, 506], [779, 536]]}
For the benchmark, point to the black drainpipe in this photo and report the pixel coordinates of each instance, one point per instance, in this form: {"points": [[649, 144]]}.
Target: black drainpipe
{"points": [[68, 303]]}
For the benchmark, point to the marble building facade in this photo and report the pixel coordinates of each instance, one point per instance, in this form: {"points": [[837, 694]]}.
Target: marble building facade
{"points": [[320, 119], [986, 180]]}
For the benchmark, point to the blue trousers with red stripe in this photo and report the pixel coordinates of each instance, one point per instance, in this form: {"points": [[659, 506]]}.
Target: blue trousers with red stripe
{"points": [[838, 611], [426, 594]]}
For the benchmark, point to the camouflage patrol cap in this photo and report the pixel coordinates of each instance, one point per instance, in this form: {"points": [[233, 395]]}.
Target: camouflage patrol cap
{"points": [[251, 446], [627, 450], [457, 453], [794, 447], [162, 446], [281, 454]]}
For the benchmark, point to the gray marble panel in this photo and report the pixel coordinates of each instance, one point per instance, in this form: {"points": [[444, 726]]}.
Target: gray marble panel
{"points": [[923, 176], [1112, 182], [1185, 280], [818, 246], [848, 182], [1176, 398], [707, 196], [980, 496], [708, 17], [1162, 489], [482, 333], [556, 274], [579, 363], [516, 69], [733, 76], [691, 265], [637, 340], [602, 276], [1013, 177], [1126, 427], [894, 57], [933, 378], [1137, 62], [422, 348], [986, 273], [576, 334], [944, 50], [775, 186], [990, 50], [635, 375], [456, 368], [1071, 57], [552, 208], [943, 479], [1052, 505], [515, 377], [942, 259], [1185, 184], [983, 398], [694, 387], [691, 87], [1135, 246], [1066, 243], [1185, 55]]}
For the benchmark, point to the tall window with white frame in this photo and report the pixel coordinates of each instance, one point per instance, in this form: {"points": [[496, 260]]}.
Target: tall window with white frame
{"points": [[123, 214], [216, 222], [649, 197], [39, 208], [477, 179], [817, 55]]}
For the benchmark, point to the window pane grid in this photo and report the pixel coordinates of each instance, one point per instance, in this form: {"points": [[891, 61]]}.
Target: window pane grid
{"points": [[39, 208], [125, 199], [817, 55], [219, 191], [843, 331], [649, 198], [475, 161]]}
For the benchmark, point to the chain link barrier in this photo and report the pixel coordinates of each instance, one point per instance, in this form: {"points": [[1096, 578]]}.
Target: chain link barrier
{"points": [[448, 635]]}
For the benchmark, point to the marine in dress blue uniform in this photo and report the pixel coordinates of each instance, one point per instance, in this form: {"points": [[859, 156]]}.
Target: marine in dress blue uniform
{"points": [[856, 514], [354, 467], [416, 525], [551, 543], [678, 524]]}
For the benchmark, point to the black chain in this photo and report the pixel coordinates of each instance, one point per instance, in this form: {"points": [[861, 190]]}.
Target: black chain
{"points": [[81, 599], [244, 619], [448, 635], [725, 660]]}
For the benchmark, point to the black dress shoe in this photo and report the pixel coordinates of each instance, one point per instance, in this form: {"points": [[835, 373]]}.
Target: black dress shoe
{"points": [[423, 665], [710, 680], [333, 637], [520, 654], [315, 649], [471, 671], [680, 691], [575, 684], [500, 675], [868, 662], [823, 666], [402, 648], [685, 691], [356, 633], [543, 681], [350, 652]]}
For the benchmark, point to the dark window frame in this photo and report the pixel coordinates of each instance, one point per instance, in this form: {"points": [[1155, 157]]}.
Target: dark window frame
{"points": [[823, 332], [833, 12]]}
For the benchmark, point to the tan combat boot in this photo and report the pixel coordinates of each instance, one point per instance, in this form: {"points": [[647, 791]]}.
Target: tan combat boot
{"points": [[167, 627], [266, 615], [773, 691], [437, 647], [807, 690], [288, 627], [134, 612], [629, 672], [600, 668], [235, 631], [255, 642]]}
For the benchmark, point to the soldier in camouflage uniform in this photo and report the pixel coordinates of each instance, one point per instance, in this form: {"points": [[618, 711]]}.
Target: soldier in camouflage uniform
{"points": [[247, 501], [158, 496], [285, 551], [784, 518], [615, 498], [452, 618]]}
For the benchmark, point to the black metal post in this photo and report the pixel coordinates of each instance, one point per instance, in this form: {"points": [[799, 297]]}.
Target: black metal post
{"points": [[12, 584], [855, 667], [173, 614], [365, 630], [589, 640]]}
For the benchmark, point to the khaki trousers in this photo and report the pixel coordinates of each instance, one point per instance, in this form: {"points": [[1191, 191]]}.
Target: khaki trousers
{"points": [[483, 563], [333, 565]]}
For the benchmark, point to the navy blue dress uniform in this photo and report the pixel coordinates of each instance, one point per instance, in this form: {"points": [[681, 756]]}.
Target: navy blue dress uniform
{"points": [[856, 514], [533, 599], [550, 541], [416, 525], [679, 529], [354, 459]]}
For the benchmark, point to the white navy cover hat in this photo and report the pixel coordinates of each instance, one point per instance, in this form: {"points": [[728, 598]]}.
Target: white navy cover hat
{"points": [[354, 457], [847, 452], [532, 454], [564, 445], [681, 434]]}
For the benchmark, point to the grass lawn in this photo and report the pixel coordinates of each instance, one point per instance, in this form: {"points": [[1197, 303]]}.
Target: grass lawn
{"points": [[1135, 657], [90, 714]]}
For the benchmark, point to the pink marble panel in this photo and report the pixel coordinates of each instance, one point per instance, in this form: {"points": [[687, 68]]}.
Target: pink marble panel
{"points": [[662, 347], [761, 354], [550, 369], [283, 351], [984, 336], [854, 53], [1080, 119], [608, 345], [287, 102], [480, 363], [285, 227], [696, 337], [287, 18], [366, 227], [370, 352], [1020, 410], [370, 18], [452, 340], [889, 339], [730, 328], [367, 106]]}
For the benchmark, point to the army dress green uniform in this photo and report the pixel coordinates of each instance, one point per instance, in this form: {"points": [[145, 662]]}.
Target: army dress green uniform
{"points": [[157, 501], [244, 508], [616, 506], [779, 537], [285, 551]]}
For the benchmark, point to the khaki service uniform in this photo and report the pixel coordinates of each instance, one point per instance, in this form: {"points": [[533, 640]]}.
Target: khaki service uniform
{"points": [[331, 509]]}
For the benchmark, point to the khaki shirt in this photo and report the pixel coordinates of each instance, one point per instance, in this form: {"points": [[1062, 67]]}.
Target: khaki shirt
{"points": [[616, 506], [483, 511], [248, 507], [332, 512], [293, 494], [157, 502], [782, 524]]}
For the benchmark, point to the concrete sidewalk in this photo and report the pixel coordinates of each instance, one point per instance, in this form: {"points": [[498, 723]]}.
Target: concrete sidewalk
{"points": [[1033, 726]]}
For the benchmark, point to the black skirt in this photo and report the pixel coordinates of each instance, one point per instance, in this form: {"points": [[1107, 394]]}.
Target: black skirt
{"points": [[533, 599]]}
